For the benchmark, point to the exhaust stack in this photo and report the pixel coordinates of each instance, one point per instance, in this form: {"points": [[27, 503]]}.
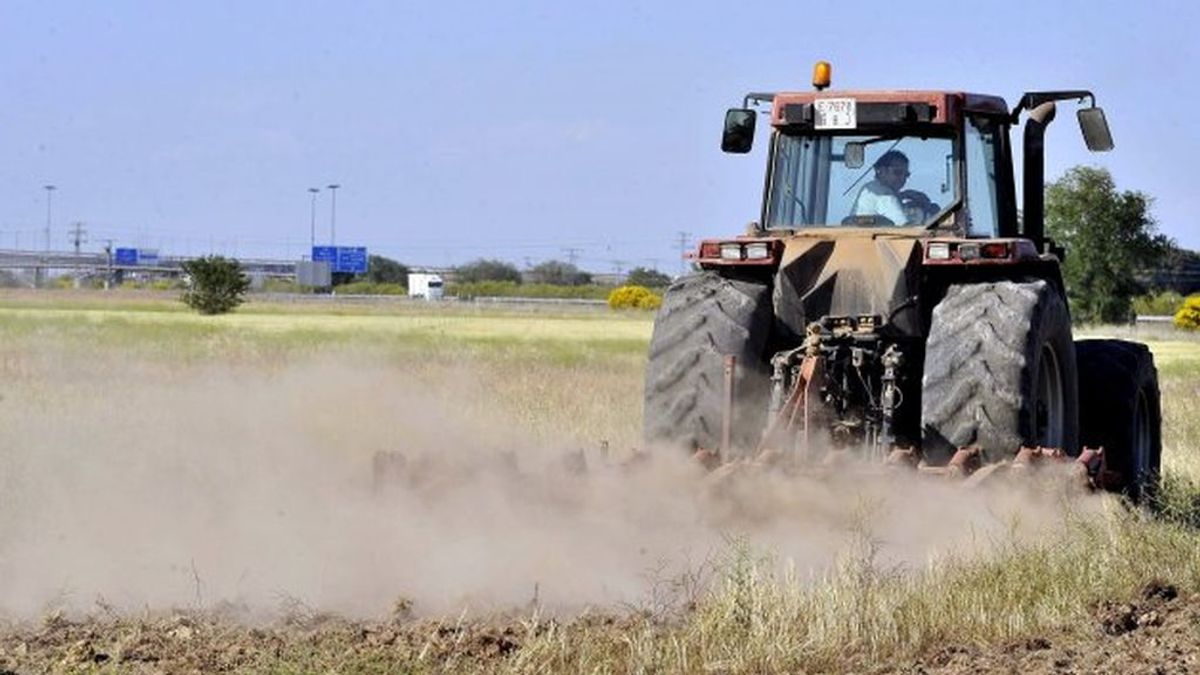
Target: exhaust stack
{"points": [[1034, 217]]}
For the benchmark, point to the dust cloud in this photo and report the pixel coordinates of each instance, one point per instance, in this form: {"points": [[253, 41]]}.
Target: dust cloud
{"points": [[147, 487]]}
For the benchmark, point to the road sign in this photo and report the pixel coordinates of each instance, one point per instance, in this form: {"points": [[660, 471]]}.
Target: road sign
{"points": [[325, 254], [352, 259], [135, 256], [345, 259], [126, 256]]}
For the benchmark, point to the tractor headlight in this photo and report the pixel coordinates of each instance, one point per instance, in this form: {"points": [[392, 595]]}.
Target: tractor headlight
{"points": [[731, 251], [758, 251], [938, 250]]}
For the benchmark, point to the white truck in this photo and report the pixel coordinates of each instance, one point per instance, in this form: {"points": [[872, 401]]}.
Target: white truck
{"points": [[428, 286]]}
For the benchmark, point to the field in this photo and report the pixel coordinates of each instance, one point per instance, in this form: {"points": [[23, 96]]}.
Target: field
{"points": [[190, 494]]}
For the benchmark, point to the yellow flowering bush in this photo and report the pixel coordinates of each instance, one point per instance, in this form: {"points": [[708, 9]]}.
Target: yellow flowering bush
{"points": [[634, 297], [1187, 317]]}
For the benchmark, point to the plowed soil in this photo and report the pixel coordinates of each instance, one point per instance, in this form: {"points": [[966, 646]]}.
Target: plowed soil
{"points": [[1159, 633]]}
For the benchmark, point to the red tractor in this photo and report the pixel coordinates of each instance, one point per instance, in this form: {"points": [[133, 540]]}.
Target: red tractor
{"points": [[893, 303]]}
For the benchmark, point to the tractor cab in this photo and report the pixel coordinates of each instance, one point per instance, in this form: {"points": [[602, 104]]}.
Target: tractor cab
{"points": [[924, 161]]}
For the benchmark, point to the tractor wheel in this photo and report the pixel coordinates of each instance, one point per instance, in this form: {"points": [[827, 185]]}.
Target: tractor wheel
{"points": [[1119, 410], [1000, 371], [705, 317]]}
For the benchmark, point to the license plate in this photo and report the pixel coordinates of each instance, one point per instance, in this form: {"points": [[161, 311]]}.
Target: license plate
{"points": [[835, 113]]}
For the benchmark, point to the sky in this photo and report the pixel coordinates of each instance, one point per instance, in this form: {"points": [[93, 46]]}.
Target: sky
{"points": [[524, 131]]}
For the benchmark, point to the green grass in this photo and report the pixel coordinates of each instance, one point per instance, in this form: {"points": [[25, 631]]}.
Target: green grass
{"points": [[564, 338], [567, 374]]}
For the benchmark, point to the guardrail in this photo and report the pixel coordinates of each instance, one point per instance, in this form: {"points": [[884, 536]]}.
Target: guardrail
{"points": [[399, 299]]}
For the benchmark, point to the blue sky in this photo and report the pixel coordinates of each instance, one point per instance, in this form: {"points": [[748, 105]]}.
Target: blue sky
{"points": [[516, 130]]}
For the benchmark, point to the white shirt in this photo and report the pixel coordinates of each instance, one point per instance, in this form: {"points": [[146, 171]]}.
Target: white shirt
{"points": [[877, 199]]}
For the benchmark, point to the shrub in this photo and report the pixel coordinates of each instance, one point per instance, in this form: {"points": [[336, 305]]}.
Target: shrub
{"points": [[153, 284], [1165, 303], [371, 288], [216, 284], [643, 276], [487, 270], [166, 284], [559, 273], [634, 297], [278, 285], [509, 289], [1188, 316], [383, 270]]}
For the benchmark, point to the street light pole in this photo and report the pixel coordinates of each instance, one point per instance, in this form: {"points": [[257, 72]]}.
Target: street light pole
{"points": [[49, 192], [313, 224], [333, 187]]}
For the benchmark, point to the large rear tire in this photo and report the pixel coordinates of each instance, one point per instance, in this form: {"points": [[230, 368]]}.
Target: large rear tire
{"points": [[1000, 371], [1119, 410], [705, 317]]}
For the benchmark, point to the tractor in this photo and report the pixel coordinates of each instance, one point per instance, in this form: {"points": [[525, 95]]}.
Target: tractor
{"points": [[894, 303]]}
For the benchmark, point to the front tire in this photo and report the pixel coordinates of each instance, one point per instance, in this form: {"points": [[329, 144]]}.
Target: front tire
{"points": [[1000, 371]]}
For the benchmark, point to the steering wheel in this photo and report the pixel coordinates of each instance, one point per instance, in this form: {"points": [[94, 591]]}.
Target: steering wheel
{"points": [[918, 201]]}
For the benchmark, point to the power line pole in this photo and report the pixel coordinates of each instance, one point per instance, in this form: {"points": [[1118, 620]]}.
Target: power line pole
{"points": [[333, 187], [49, 193], [78, 236], [572, 254], [683, 247], [312, 236], [108, 254]]}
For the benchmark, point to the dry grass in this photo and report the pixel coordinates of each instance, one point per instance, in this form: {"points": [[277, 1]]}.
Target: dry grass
{"points": [[859, 615]]}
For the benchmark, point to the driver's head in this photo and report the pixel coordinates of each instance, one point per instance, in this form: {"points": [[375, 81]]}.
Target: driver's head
{"points": [[892, 169]]}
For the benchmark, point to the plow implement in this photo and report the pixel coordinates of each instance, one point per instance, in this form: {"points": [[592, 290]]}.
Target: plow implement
{"points": [[797, 441]]}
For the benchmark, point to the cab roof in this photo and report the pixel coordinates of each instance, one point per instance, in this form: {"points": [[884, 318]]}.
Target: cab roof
{"points": [[938, 107]]}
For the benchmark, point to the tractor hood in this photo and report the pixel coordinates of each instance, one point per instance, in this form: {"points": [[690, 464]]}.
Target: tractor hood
{"points": [[848, 272]]}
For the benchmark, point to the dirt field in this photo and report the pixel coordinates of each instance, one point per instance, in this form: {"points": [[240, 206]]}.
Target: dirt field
{"points": [[1156, 633], [182, 494]]}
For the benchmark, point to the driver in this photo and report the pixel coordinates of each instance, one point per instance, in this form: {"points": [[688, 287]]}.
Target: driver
{"points": [[881, 197]]}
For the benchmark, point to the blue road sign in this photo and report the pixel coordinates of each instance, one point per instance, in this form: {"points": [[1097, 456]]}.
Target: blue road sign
{"points": [[126, 256], [325, 254], [347, 259], [352, 259]]}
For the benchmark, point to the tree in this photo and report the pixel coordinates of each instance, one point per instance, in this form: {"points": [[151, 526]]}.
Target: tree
{"points": [[381, 270], [1178, 271], [644, 276], [559, 273], [1109, 237], [216, 284], [487, 270]]}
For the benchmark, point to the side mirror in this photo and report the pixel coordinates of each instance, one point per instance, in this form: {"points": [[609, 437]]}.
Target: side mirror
{"points": [[739, 130], [1095, 129], [854, 155]]}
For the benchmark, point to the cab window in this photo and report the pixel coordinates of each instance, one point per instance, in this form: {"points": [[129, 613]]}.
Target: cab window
{"points": [[893, 180], [982, 142]]}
